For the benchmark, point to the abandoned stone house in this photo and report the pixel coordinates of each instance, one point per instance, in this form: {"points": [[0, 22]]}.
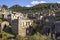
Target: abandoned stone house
{"points": [[57, 27], [57, 23], [51, 13], [6, 14], [48, 24], [53, 24], [20, 25], [19, 22], [15, 15]]}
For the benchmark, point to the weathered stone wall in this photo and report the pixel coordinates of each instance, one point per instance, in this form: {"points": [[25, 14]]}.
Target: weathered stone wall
{"points": [[21, 31], [23, 24], [14, 24]]}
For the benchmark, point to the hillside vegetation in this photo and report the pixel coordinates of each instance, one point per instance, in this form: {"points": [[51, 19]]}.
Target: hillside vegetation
{"points": [[36, 8]]}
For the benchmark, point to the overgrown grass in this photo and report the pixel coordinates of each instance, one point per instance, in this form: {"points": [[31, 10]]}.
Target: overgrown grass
{"points": [[7, 34], [1, 21]]}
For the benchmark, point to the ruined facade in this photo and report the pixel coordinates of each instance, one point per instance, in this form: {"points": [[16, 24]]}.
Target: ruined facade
{"points": [[23, 26], [20, 23]]}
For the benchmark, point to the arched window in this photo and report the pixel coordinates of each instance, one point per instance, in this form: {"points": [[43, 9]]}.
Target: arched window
{"points": [[26, 23], [23, 23]]}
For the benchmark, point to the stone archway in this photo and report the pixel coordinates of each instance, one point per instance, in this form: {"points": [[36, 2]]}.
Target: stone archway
{"points": [[3, 24]]}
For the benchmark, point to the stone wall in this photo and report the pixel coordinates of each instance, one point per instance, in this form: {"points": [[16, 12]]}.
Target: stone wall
{"points": [[14, 24], [23, 25]]}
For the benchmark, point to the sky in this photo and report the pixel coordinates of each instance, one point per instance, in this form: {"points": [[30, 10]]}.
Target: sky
{"points": [[26, 3]]}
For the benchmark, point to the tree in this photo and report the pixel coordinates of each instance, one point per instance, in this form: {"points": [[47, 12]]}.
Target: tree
{"points": [[16, 8], [5, 6]]}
